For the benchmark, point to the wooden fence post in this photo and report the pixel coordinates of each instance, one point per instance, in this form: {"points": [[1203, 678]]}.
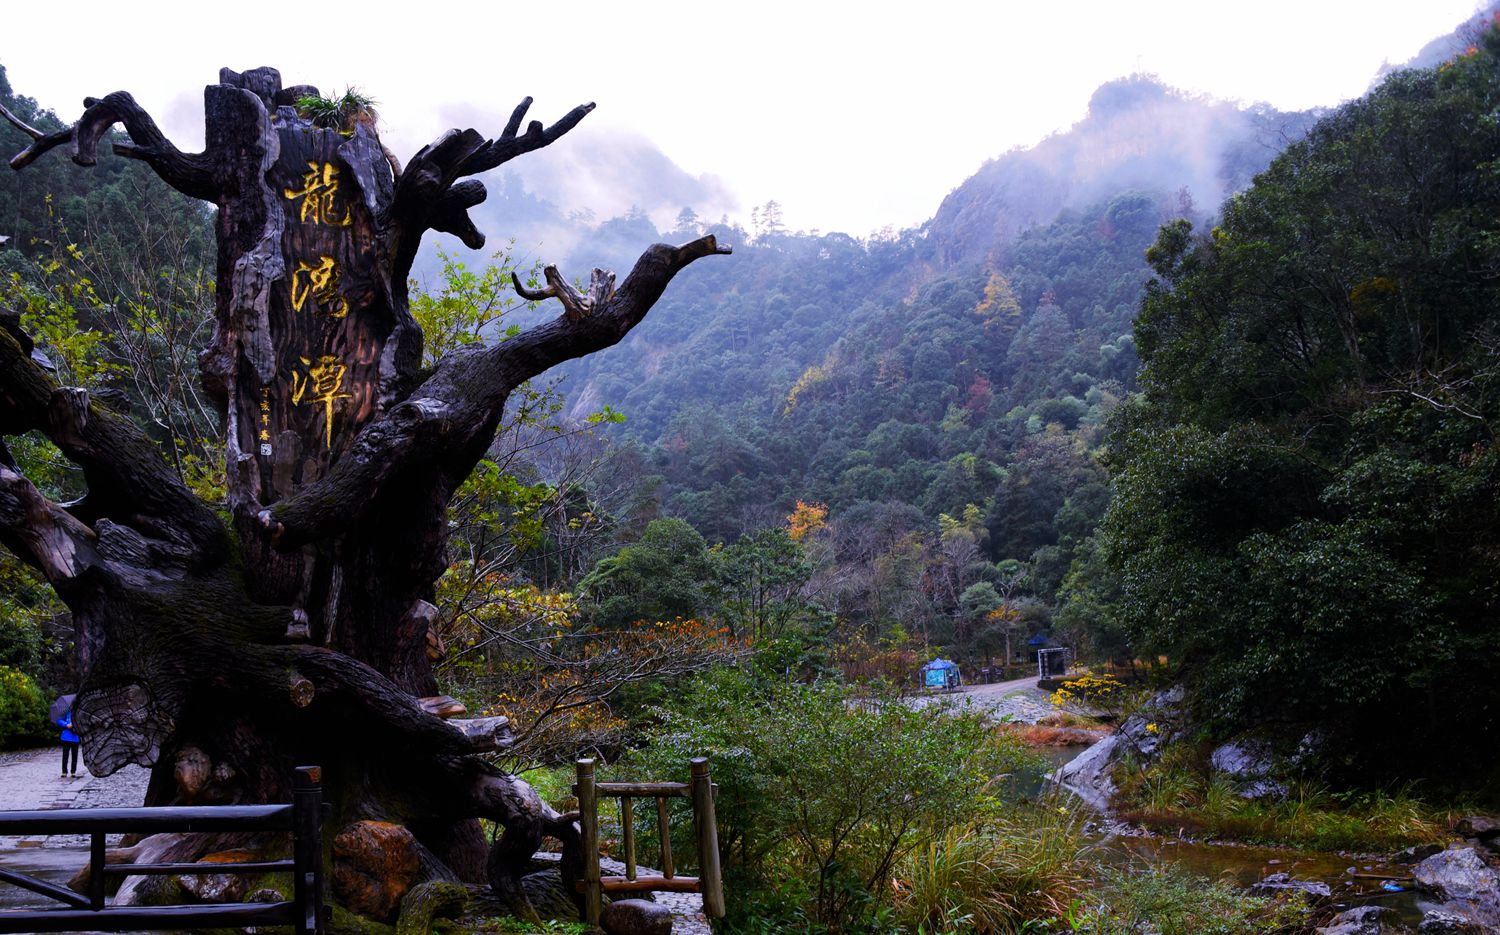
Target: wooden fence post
{"points": [[588, 812], [710, 879], [665, 833], [307, 848]]}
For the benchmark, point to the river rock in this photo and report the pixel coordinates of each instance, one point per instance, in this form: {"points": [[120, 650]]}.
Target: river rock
{"points": [[1468, 886], [1417, 853], [374, 864], [1482, 827], [1437, 922], [1278, 883], [636, 917], [1090, 774], [1366, 920]]}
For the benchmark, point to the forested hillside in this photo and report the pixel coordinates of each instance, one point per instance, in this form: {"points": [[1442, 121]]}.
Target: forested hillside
{"points": [[911, 380]]}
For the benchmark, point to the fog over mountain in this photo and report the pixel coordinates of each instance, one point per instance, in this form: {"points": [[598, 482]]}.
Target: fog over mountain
{"points": [[1138, 134], [576, 203]]}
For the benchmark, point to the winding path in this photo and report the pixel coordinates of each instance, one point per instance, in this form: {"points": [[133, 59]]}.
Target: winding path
{"points": [[1018, 699]]}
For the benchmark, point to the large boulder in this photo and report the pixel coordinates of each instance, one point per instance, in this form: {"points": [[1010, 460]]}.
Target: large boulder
{"points": [[1480, 827], [1437, 922], [1467, 885], [1090, 774], [374, 864], [1248, 762], [1366, 920], [636, 917]]}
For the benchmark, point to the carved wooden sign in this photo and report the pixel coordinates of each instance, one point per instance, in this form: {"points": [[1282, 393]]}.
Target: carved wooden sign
{"points": [[328, 318]]}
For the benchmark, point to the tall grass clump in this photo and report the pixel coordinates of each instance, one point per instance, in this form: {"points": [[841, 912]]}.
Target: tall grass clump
{"points": [[1005, 875], [1166, 900], [342, 113]]}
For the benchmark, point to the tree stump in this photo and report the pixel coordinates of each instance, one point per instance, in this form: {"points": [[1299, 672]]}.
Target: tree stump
{"points": [[221, 654]]}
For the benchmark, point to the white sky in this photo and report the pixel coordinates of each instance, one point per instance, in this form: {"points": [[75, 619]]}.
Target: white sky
{"points": [[851, 115]]}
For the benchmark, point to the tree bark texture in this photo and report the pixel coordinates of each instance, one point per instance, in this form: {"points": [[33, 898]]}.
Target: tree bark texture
{"points": [[222, 652]]}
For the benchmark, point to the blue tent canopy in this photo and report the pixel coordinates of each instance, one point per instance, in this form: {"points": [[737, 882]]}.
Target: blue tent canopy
{"points": [[1038, 640], [940, 673]]}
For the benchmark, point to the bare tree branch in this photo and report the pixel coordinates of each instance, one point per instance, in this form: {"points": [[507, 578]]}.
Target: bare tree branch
{"points": [[41, 533], [429, 195], [127, 478], [189, 174], [575, 305], [453, 415]]}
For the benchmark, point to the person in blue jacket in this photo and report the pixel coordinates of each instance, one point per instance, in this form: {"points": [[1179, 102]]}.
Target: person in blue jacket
{"points": [[69, 744]]}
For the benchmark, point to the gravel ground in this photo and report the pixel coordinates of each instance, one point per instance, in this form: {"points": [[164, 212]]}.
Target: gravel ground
{"points": [[1018, 700]]}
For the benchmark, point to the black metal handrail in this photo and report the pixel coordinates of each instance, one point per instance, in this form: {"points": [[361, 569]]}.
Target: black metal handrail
{"points": [[302, 818]]}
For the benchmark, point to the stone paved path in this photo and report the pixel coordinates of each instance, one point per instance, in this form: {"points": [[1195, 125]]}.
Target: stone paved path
{"points": [[29, 779], [687, 908]]}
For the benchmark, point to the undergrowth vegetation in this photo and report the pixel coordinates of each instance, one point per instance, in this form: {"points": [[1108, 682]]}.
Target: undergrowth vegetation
{"points": [[1163, 899], [1179, 794]]}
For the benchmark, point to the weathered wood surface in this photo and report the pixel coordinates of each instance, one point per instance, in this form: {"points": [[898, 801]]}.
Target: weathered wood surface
{"points": [[218, 655]]}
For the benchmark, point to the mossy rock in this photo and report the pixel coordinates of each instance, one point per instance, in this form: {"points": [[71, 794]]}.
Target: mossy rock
{"points": [[427, 902], [344, 922]]}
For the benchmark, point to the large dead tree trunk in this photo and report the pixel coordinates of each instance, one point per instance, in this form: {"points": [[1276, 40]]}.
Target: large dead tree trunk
{"points": [[220, 654]]}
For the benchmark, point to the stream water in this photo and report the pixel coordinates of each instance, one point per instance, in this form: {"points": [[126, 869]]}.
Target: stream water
{"points": [[1354, 882]]}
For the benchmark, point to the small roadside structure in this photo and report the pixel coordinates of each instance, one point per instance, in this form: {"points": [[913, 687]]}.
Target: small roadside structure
{"points": [[941, 674], [1052, 663]]}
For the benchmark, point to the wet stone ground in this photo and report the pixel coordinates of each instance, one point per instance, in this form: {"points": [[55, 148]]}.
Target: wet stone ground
{"points": [[31, 779]]}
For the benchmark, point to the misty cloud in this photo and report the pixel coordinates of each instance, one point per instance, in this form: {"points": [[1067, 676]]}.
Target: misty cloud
{"points": [[1138, 134], [598, 196]]}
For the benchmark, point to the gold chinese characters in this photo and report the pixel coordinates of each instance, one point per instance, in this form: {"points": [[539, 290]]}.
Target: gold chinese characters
{"points": [[320, 384], [319, 187], [321, 282]]}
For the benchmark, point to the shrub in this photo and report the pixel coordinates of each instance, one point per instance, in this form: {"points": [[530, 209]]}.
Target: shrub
{"points": [[817, 784], [23, 710]]}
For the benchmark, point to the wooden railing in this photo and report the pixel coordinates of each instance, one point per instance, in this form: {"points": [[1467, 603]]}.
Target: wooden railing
{"points": [[700, 790], [303, 819]]}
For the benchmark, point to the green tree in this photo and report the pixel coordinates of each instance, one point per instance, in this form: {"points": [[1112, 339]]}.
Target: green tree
{"points": [[762, 576], [663, 576], [1301, 514]]}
